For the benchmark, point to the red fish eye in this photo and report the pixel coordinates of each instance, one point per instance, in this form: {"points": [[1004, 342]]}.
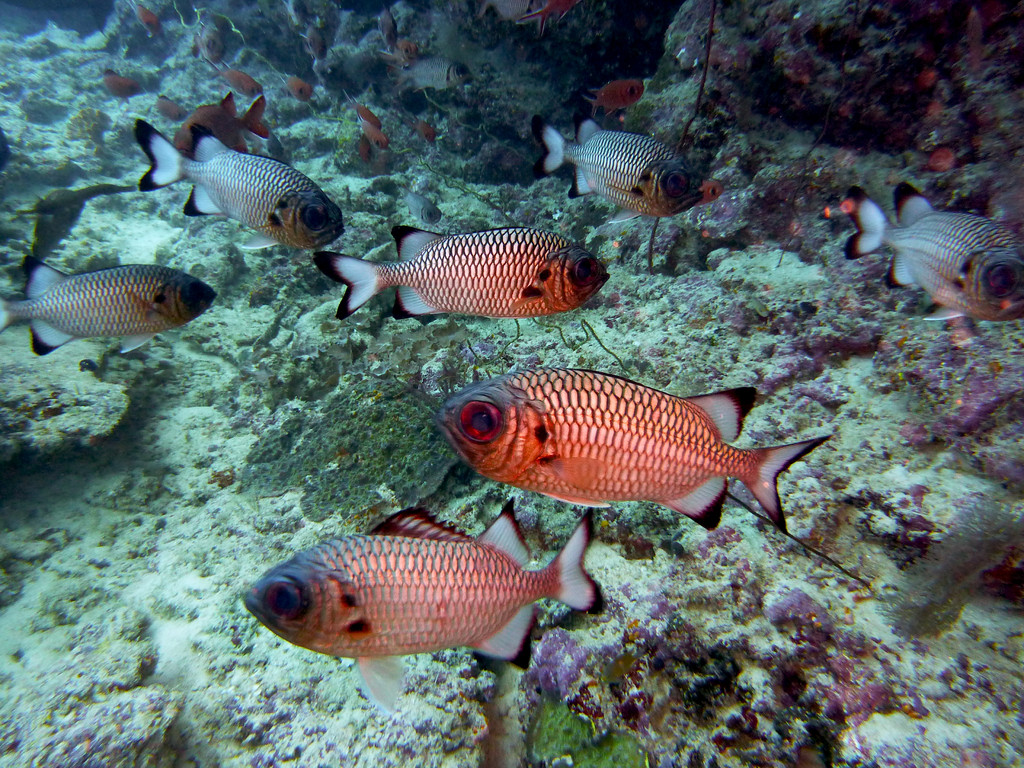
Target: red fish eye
{"points": [[314, 216], [585, 271], [1002, 279], [284, 599], [481, 422], [676, 184]]}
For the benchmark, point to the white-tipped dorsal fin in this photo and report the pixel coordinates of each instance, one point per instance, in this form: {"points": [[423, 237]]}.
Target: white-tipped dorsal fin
{"points": [[586, 130], [206, 145], [504, 535], [410, 241], [910, 205], [41, 277], [508, 641], [381, 680], [418, 523], [727, 409], [200, 203]]}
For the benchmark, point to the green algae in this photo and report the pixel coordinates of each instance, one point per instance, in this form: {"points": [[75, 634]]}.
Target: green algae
{"points": [[558, 732]]}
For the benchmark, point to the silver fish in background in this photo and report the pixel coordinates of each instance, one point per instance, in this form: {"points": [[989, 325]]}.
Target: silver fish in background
{"points": [[424, 210], [136, 301], [280, 203], [414, 585], [435, 73], [641, 175], [969, 265], [510, 272]]}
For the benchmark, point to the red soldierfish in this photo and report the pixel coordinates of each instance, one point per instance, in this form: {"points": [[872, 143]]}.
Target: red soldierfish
{"points": [[281, 204], [555, 9], [591, 438], [222, 121], [121, 86], [968, 264], [510, 272], [414, 585], [242, 82], [135, 301], [618, 94]]}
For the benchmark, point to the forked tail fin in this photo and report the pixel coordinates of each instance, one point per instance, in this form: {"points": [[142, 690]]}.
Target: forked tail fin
{"points": [[164, 159], [775, 461], [575, 588], [554, 147], [358, 276], [870, 222]]}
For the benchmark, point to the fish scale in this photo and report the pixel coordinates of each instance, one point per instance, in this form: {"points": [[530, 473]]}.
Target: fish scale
{"points": [[614, 161], [667, 446], [592, 438], [403, 584], [247, 187], [109, 302], [509, 272]]}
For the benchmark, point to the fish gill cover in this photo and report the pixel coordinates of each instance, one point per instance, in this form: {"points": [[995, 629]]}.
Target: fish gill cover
{"points": [[142, 494]]}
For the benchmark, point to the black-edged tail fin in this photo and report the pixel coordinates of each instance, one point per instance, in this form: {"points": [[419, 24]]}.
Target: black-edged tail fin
{"points": [[165, 160], [358, 276], [869, 220], [554, 147], [773, 462]]}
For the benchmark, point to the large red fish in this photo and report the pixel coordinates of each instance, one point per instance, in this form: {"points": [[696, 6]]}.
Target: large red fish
{"points": [[416, 586], [223, 122], [509, 272], [591, 438]]}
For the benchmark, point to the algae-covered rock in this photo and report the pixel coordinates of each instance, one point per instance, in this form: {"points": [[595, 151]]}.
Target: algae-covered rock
{"points": [[48, 407], [559, 733]]}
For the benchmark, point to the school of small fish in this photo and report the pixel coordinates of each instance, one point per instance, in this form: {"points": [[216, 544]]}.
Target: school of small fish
{"points": [[412, 584]]}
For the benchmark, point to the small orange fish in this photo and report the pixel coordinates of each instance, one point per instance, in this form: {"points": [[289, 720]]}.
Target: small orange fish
{"points": [[122, 87], [364, 149], [426, 130], [552, 9], [241, 82], [710, 190], [299, 88], [371, 126], [170, 109], [618, 94], [148, 19], [591, 438], [366, 116], [223, 122], [414, 585], [316, 46]]}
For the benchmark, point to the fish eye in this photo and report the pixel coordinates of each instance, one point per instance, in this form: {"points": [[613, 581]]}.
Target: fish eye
{"points": [[632, 90], [284, 599], [676, 184], [585, 271], [1001, 280], [481, 422], [314, 216], [160, 298]]}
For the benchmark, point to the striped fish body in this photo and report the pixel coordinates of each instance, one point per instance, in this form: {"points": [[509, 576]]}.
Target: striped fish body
{"points": [[639, 174], [508, 10], [437, 73], [592, 438], [969, 265], [134, 301], [266, 195], [416, 586], [511, 272]]}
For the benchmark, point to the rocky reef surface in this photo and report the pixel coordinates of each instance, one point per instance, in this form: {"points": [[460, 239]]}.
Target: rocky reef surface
{"points": [[141, 494]]}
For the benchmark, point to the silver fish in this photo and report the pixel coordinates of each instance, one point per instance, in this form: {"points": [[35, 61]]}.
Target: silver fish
{"points": [[281, 204], [969, 265], [388, 29], [433, 73], [641, 175], [507, 10], [424, 210], [136, 301]]}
